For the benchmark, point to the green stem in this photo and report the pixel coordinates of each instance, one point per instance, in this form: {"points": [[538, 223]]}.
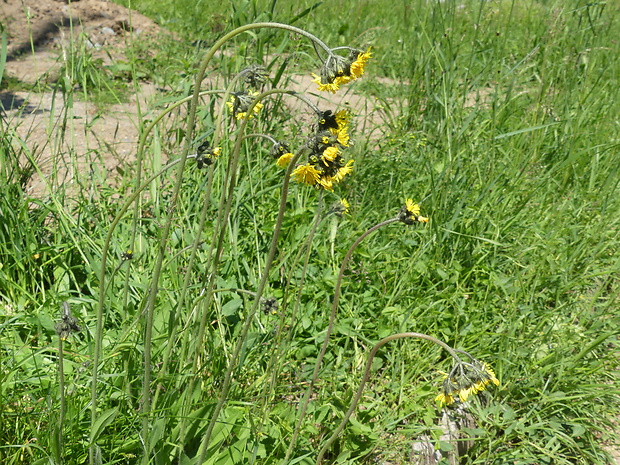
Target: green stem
{"points": [[280, 348], [61, 384], [241, 340], [330, 325], [366, 375]]}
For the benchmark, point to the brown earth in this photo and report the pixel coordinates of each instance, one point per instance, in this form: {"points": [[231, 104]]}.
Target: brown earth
{"points": [[39, 34]]}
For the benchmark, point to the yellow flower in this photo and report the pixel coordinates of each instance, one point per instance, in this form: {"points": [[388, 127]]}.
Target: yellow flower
{"points": [[327, 182], [357, 67], [466, 379], [307, 174], [342, 172], [330, 153], [412, 208], [284, 160], [327, 87], [410, 213], [445, 399], [343, 117], [240, 103]]}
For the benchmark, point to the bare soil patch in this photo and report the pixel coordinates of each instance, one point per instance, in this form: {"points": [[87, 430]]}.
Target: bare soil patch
{"points": [[39, 33]]}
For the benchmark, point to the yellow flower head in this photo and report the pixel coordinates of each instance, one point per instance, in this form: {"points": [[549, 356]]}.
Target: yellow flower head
{"points": [[345, 205], [410, 213], [357, 67], [445, 399], [306, 174], [342, 172], [284, 160], [465, 380], [240, 103], [338, 71], [412, 208], [331, 153], [326, 182]]}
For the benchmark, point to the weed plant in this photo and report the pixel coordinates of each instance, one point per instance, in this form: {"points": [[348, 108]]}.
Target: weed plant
{"points": [[228, 297]]}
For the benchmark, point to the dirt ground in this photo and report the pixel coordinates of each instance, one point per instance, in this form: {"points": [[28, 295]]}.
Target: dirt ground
{"points": [[38, 34]]}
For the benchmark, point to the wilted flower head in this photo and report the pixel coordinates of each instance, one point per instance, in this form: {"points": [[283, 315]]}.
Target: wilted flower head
{"points": [[340, 208], [269, 305], [466, 379], [255, 76], [66, 324], [205, 155], [240, 103], [410, 213], [338, 70]]}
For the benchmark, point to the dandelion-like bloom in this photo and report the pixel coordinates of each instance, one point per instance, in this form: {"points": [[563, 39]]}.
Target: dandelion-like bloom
{"points": [[343, 171], [330, 153], [281, 152], [357, 67], [410, 213], [307, 174], [240, 103], [466, 379], [338, 71], [284, 160]]}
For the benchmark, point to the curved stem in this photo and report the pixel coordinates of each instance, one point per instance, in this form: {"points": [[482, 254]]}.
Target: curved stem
{"points": [[99, 325], [280, 347], [360, 390], [241, 339], [332, 317]]}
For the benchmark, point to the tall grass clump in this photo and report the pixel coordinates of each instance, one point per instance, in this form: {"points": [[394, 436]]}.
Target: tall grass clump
{"points": [[247, 290]]}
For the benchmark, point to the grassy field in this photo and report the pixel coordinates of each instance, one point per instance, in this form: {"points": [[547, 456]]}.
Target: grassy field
{"points": [[200, 309]]}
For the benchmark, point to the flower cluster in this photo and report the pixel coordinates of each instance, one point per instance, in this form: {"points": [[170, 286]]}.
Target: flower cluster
{"points": [[338, 70], [410, 213], [205, 155], [466, 379], [240, 103], [326, 165]]}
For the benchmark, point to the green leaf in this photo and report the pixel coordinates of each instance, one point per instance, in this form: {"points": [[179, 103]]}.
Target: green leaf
{"points": [[104, 420]]}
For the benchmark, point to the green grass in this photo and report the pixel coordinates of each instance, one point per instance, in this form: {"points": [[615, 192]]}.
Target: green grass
{"points": [[500, 119]]}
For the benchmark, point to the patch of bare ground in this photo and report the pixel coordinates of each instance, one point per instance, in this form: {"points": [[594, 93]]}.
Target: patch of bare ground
{"points": [[39, 33]]}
